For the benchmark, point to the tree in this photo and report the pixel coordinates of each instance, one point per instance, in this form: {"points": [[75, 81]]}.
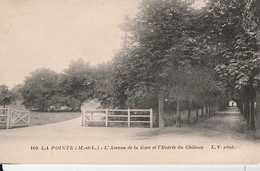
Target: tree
{"points": [[6, 97], [104, 83], [76, 85], [16, 91], [251, 15], [39, 88]]}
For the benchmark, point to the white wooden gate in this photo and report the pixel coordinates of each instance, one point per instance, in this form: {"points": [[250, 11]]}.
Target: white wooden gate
{"points": [[19, 118], [14, 118], [106, 115]]}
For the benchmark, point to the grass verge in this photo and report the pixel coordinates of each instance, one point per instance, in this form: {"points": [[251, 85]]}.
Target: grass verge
{"points": [[43, 118]]}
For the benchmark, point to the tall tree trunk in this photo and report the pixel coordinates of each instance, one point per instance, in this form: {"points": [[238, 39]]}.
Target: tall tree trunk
{"points": [[189, 111], [214, 108], [197, 114], [247, 111], [257, 112], [243, 108], [161, 109], [178, 120], [209, 109], [202, 111], [252, 114]]}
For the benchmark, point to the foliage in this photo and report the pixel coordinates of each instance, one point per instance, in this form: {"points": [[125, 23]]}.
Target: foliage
{"points": [[16, 91], [104, 85], [164, 51], [48, 90], [6, 97], [239, 67], [76, 85], [39, 88]]}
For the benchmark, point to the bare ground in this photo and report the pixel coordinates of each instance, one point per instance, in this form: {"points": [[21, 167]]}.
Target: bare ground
{"points": [[224, 130]]}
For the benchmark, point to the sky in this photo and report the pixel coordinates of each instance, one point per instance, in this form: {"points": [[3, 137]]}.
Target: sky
{"points": [[52, 33]]}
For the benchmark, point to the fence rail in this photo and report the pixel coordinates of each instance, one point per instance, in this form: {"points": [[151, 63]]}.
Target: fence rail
{"points": [[104, 115], [10, 118]]}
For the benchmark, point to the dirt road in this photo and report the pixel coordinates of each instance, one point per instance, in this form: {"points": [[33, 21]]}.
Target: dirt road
{"points": [[215, 140], [228, 124]]}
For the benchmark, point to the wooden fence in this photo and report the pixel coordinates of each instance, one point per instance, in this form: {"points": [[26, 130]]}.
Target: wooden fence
{"points": [[106, 115], [11, 118]]}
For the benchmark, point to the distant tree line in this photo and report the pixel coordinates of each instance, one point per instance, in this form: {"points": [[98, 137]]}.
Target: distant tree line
{"points": [[47, 90]]}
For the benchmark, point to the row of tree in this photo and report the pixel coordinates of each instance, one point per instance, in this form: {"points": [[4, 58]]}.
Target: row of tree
{"points": [[194, 58], [239, 68], [168, 53]]}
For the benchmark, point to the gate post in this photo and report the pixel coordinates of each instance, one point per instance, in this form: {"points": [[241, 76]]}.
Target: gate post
{"points": [[8, 118], [151, 118], [83, 116], [29, 118], [128, 121], [106, 117], [161, 109]]}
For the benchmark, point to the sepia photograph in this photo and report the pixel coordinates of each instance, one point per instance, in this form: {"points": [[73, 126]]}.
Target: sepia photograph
{"points": [[154, 82]]}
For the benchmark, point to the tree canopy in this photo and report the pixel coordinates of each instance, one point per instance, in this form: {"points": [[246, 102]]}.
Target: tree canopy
{"points": [[6, 96]]}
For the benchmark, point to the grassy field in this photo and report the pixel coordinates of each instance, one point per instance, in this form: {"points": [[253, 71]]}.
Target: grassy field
{"points": [[43, 118]]}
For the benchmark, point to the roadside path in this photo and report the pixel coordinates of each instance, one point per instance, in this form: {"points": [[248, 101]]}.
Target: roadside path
{"points": [[228, 124]]}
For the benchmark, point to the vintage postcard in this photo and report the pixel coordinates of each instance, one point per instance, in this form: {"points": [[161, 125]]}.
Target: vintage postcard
{"points": [[129, 82]]}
